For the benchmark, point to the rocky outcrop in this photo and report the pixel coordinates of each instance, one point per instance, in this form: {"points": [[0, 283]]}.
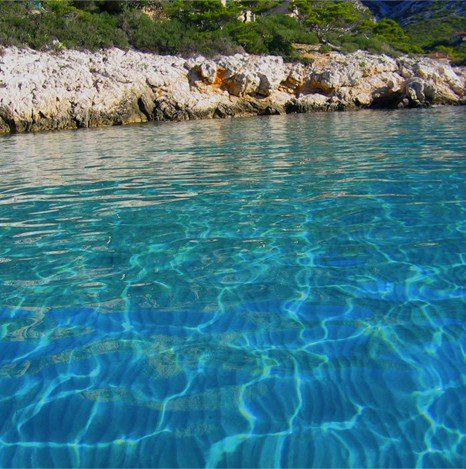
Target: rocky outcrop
{"points": [[72, 89]]}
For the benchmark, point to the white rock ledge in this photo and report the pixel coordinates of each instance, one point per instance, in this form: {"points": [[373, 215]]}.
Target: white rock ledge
{"points": [[72, 89]]}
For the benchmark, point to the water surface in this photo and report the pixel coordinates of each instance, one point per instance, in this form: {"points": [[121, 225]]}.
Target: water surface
{"points": [[263, 292]]}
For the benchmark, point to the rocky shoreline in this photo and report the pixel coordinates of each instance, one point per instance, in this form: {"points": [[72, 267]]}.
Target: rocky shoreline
{"points": [[73, 89]]}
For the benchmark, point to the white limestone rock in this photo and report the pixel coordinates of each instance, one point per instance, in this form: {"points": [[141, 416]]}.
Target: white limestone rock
{"points": [[68, 88]]}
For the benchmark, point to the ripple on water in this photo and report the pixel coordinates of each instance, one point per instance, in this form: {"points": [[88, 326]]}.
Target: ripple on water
{"points": [[177, 296]]}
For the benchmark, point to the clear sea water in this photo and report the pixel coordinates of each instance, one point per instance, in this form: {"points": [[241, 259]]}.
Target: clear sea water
{"points": [[262, 292]]}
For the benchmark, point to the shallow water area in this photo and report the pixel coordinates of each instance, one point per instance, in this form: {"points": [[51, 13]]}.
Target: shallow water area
{"points": [[283, 291]]}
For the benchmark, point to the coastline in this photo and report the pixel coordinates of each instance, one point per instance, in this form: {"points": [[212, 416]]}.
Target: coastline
{"points": [[72, 89]]}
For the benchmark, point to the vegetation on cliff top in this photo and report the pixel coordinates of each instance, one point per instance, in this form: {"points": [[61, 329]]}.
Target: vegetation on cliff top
{"points": [[208, 27]]}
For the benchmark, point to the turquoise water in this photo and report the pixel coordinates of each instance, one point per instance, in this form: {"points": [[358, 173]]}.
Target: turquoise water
{"points": [[264, 292]]}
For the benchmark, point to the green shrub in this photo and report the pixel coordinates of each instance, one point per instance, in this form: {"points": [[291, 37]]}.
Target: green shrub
{"points": [[249, 37], [75, 28], [325, 17], [389, 30], [259, 6], [324, 49], [434, 31], [349, 47], [211, 44], [171, 36], [205, 15], [207, 27], [273, 34], [289, 29]]}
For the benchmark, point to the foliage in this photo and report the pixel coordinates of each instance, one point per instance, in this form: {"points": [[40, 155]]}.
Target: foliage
{"points": [[258, 6], [144, 34], [345, 26], [72, 27], [333, 16], [271, 34], [434, 34], [389, 30], [171, 36], [392, 33], [208, 27], [202, 14]]}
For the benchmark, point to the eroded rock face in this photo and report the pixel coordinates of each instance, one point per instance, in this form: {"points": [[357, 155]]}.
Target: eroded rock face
{"points": [[71, 89]]}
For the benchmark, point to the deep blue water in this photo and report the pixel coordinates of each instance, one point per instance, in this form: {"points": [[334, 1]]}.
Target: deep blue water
{"points": [[264, 292]]}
